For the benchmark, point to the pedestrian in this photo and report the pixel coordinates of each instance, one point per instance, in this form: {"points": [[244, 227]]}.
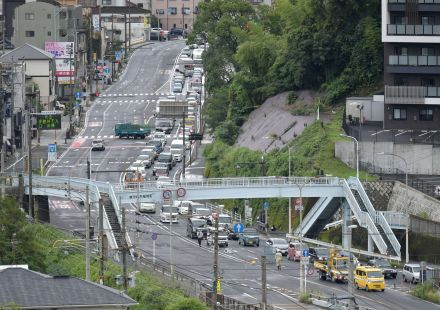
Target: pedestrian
{"points": [[199, 237], [278, 259]]}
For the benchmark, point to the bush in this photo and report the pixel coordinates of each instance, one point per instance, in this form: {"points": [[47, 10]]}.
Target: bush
{"points": [[427, 291]]}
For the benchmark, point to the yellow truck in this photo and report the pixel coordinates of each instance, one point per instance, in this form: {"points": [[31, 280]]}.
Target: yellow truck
{"points": [[335, 268]]}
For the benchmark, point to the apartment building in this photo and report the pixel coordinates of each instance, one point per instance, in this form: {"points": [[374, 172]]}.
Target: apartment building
{"points": [[175, 13], [411, 36]]}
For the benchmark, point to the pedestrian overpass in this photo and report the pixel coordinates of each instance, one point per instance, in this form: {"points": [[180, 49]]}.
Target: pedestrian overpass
{"points": [[333, 194]]}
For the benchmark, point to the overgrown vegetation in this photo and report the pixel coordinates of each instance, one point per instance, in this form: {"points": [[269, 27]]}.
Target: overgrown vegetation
{"points": [[312, 153], [258, 51], [48, 250], [427, 291]]}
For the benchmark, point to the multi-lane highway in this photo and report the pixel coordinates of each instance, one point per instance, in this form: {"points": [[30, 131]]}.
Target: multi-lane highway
{"points": [[132, 99]]}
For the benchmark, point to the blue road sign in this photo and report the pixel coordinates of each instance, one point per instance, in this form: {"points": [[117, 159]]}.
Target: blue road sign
{"points": [[238, 228], [305, 253], [154, 236], [52, 148], [266, 205], [107, 70], [118, 55], [78, 94]]}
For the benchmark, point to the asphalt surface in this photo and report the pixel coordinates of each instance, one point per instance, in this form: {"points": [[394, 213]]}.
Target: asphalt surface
{"points": [[132, 99]]}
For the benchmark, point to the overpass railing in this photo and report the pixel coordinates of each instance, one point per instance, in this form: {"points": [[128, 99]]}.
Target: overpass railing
{"points": [[230, 182]]}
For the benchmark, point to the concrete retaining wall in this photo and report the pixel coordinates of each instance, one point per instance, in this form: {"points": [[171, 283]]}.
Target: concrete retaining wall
{"points": [[410, 201], [421, 158]]}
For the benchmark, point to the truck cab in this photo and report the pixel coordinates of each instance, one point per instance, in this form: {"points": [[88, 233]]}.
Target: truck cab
{"points": [[334, 268]]}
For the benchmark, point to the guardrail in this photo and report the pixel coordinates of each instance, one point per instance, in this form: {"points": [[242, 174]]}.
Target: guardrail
{"points": [[396, 219]]}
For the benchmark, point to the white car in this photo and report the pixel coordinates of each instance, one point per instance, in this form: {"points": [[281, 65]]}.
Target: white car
{"points": [[411, 273], [147, 207], [166, 212], [160, 135], [138, 165], [278, 244], [184, 207]]}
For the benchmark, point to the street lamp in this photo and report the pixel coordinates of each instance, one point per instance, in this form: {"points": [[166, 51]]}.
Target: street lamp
{"points": [[357, 152], [398, 156], [290, 203]]}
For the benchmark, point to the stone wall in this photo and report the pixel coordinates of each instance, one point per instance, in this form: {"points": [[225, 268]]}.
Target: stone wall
{"points": [[408, 200], [379, 193]]}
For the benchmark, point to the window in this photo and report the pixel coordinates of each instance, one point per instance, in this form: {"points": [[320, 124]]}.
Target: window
{"points": [[106, 2], [428, 20], [29, 34], [29, 16], [427, 82], [399, 20], [62, 33], [186, 11], [49, 16], [426, 114], [399, 114], [401, 51], [49, 33], [401, 81], [160, 11], [172, 11], [428, 51]]}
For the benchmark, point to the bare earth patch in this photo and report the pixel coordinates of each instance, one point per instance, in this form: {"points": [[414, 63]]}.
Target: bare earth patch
{"points": [[272, 125]]}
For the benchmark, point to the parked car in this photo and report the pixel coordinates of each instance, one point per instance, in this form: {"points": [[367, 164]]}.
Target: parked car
{"points": [[147, 207], [249, 237], [195, 224], [98, 145], [369, 278], [384, 265], [411, 273], [278, 244]]}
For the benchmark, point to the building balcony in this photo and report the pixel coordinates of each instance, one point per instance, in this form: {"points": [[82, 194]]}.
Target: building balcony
{"points": [[412, 95], [419, 1], [413, 30], [413, 64]]}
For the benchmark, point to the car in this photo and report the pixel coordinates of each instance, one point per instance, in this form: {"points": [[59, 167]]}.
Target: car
{"points": [[158, 34], [193, 225], [202, 213], [318, 254], [147, 207], [59, 106], [369, 278], [384, 265], [160, 135], [159, 165], [147, 159], [186, 51], [138, 165], [161, 171], [178, 32], [177, 88], [185, 206], [159, 141], [157, 146], [168, 159], [250, 236], [149, 150], [222, 238], [167, 212], [98, 145], [278, 244], [411, 273]]}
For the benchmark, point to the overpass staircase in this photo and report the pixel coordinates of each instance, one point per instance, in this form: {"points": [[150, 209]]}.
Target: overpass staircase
{"points": [[112, 219]]}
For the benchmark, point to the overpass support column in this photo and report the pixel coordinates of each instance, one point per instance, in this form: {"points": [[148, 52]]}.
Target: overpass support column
{"points": [[346, 221], [370, 244]]}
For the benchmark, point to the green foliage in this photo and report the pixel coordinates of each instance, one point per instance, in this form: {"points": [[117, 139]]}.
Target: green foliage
{"points": [[427, 291], [186, 304], [256, 52]]}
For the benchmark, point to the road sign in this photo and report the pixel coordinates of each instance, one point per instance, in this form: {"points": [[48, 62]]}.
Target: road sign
{"points": [[52, 152], [78, 95], [215, 215], [167, 194], [238, 228], [118, 55], [107, 70], [305, 253], [266, 205], [154, 236], [48, 121], [181, 192]]}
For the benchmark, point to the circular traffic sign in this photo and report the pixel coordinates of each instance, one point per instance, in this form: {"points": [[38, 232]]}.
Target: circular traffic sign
{"points": [[181, 192], [167, 194], [154, 236], [215, 215], [238, 228]]}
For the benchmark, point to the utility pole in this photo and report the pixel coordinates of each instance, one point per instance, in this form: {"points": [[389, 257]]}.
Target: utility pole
{"points": [[71, 89], [29, 140], [263, 283], [2, 127], [124, 252], [101, 241], [87, 234], [215, 283], [129, 26], [125, 36], [171, 242], [183, 146]]}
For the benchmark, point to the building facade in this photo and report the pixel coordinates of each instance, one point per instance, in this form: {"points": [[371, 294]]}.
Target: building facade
{"points": [[411, 36], [175, 13]]}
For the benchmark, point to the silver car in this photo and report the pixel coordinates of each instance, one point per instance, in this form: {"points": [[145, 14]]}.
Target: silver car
{"points": [[278, 244]]}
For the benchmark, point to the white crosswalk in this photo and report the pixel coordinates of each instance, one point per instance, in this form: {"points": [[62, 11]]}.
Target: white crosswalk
{"points": [[139, 101], [96, 137], [136, 95]]}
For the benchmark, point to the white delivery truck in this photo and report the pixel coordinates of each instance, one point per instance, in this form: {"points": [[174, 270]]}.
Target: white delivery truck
{"points": [[177, 150]]}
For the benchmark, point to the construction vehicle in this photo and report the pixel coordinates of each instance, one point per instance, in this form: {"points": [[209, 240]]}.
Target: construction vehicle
{"points": [[132, 178], [334, 268], [129, 130]]}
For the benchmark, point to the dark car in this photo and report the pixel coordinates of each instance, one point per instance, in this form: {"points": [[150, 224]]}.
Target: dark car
{"points": [[384, 265], [178, 32], [318, 254], [167, 158], [195, 224], [157, 146], [249, 237]]}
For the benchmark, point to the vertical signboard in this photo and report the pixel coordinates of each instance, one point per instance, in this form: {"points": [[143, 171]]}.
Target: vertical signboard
{"points": [[51, 152], [64, 53]]}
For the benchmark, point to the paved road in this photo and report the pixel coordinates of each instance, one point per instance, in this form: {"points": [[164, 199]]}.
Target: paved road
{"points": [[132, 100]]}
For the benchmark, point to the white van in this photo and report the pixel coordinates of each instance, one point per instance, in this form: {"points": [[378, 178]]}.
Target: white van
{"points": [[177, 150], [165, 213], [197, 55]]}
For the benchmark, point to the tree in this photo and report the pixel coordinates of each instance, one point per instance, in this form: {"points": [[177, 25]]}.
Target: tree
{"points": [[186, 304], [19, 242]]}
